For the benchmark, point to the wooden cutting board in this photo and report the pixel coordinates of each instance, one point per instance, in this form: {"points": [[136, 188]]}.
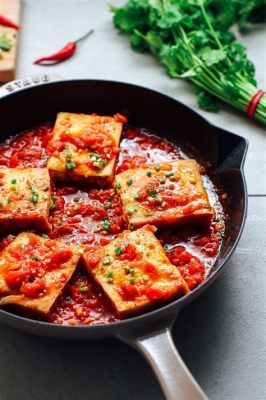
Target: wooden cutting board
{"points": [[11, 9]]}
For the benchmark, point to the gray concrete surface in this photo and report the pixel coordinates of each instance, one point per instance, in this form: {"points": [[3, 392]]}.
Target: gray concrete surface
{"points": [[222, 336]]}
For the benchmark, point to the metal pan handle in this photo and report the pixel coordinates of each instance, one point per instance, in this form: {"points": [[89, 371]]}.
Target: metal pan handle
{"points": [[174, 377]]}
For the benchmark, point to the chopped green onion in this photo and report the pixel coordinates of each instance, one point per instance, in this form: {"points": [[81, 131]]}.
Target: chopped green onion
{"points": [[129, 182], [136, 196], [130, 211], [34, 197], [118, 250], [131, 280], [149, 173], [169, 173], [106, 260], [109, 275], [158, 199], [131, 227], [35, 258], [157, 167], [8, 200], [83, 289], [107, 206], [118, 185], [13, 181], [106, 225], [70, 166], [152, 192], [161, 179]]}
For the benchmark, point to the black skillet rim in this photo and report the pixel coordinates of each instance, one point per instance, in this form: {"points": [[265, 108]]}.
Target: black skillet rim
{"points": [[176, 304]]}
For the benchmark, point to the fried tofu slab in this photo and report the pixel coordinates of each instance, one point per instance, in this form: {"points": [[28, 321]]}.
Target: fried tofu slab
{"points": [[25, 197], [134, 272], [164, 194], [34, 272], [84, 147]]}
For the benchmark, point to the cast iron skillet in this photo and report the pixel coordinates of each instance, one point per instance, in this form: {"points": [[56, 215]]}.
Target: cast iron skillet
{"points": [[28, 102]]}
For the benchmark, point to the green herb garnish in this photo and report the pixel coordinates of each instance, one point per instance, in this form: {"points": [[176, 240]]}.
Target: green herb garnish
{"points": [[109, 275], [193, 40], [118, 250], [106, 225], [152, 192], [158, 198], [106, 260], [34, 194], [83, 288], [161, 179], [70, 166]]}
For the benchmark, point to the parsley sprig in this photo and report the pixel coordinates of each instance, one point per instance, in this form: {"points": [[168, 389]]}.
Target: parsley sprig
{"points": [[193, 41]]}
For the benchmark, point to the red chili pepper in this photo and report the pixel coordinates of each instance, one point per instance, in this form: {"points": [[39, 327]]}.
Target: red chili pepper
{"points": [[7, 22], [64, 53]]}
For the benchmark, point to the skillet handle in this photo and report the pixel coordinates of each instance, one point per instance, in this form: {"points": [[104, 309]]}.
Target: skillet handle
{"points": [[19, 84], [174, 377]]}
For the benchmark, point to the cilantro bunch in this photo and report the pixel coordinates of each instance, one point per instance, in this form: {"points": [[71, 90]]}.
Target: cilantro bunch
{"points": [[191, 38]]}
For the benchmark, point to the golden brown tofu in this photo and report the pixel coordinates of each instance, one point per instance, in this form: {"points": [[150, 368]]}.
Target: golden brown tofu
{"points": [[34, 272], [134, 272], [84, 147], [163, 194], [25, 197]]}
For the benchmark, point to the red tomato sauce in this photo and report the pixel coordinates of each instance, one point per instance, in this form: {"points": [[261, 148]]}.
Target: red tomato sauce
{"points": [[94, 217]]}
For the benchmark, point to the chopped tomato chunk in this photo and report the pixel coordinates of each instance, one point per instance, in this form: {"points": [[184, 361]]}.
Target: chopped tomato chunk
{"points": [[33, 289], [58, 258], [93, 259], [14, 278], [128, 291]]}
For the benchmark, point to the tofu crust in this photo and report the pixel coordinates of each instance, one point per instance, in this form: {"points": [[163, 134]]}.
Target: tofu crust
{"points": [[25, 198], [80, 127], [34, 272], [134, 272], [163, 194]]}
